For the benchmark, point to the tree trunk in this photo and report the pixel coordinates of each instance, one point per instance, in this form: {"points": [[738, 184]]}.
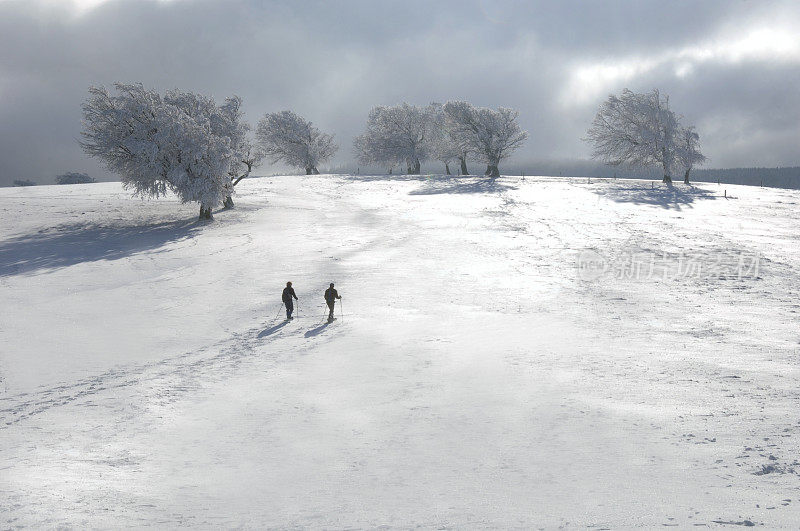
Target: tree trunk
{"points": [[492, 171], [228, 203], [686, 176], [416, 167], [666, 164], [447, 168], [309, 170], [464, 170], [205, 213], [390, 171], [249, 165]]}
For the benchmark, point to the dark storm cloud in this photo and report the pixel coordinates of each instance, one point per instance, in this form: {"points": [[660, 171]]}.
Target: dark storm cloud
{"points": [[331, 61]]}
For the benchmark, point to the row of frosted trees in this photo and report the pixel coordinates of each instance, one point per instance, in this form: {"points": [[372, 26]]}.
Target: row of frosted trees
{"points": [[188, 144], [456, 131]]}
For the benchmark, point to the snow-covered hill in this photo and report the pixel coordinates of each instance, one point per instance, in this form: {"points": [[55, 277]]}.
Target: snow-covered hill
{"points": [[539, 352]]}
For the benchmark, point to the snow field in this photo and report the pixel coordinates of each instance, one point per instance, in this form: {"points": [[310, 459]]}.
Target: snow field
{"points": [[476, 379]]}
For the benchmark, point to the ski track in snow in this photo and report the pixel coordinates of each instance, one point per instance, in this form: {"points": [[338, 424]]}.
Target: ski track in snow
{"points": [[191, 368], [615, 402]]}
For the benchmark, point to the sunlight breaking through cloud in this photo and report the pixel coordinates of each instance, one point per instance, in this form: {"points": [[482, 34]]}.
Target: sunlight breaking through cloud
{"points": [[590, 81], [81, 7]]}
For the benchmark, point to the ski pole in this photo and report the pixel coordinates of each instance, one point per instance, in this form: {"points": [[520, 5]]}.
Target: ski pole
{"points": [[278, 312], [341, 310]]}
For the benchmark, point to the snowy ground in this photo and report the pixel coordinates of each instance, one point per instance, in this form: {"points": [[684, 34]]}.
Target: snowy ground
{"points": [[501, 361]]}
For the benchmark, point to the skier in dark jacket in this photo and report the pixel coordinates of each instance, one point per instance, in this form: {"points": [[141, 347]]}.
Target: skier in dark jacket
{"points": [[330, 297], [288, 293]]}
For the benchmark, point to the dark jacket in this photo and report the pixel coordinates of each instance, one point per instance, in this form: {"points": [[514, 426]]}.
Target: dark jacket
{"points": [[288, 293], [331, 295]]}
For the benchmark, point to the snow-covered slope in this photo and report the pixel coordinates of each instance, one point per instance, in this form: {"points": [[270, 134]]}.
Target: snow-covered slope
{"points": [[539, 352]]}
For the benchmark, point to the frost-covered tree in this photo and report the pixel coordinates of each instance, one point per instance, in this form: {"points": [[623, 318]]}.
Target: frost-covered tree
{"points": [[463, 150], [251, 157], [491, 135], [444, 146], [396, 135], [287, 137], [371, 149], [73, 177], [248, 155], [451, 141], [688, 153], [23, 182], [636, 130], [182, 142], [226, 121]]}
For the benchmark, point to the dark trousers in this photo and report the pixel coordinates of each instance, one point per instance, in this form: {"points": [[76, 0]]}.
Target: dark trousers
{"points": [[330, 307], [289, 308]]}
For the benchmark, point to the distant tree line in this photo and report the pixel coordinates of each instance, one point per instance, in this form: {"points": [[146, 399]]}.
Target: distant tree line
{"points": [[773, 177], [66, 178], [785, 177], [74, 178]]}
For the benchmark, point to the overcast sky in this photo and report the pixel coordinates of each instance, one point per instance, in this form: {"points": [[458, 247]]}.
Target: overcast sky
{"points": [[730, 67]]}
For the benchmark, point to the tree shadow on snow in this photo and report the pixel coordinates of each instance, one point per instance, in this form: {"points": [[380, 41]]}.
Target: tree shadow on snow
{"points": [[442, 184], [71, 244], [271, 330], [669, 197], [462, 185], [318, 330], [389, 177]]}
